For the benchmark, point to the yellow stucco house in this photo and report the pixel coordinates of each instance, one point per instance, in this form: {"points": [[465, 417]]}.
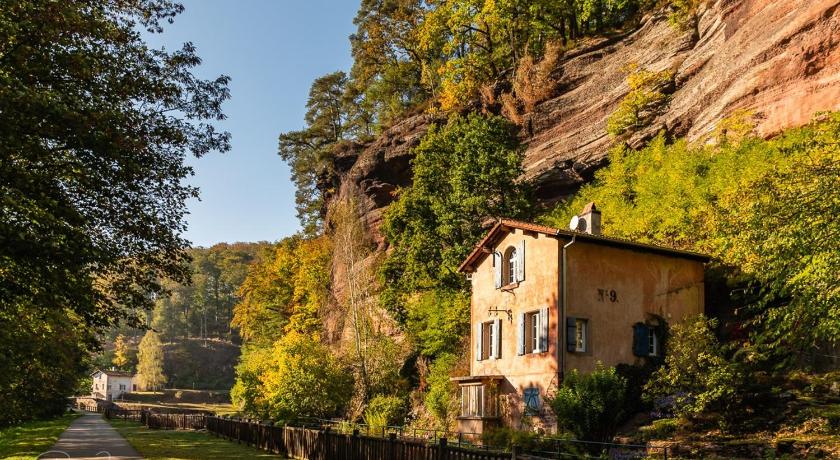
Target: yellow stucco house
{"points": [[548, 300]]}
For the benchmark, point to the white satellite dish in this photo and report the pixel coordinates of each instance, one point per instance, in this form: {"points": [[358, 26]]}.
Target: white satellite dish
{"points": [[574, 223]]}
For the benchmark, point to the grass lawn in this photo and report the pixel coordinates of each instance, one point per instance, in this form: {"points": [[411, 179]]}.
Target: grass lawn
{"points": [[183, 445], [28, 440]]}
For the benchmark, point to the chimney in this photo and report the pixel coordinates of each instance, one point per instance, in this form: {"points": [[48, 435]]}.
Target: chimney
{"points": [[590, 219]]}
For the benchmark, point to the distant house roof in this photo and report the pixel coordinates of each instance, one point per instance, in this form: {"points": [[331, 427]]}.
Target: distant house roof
{"points": [[114, 373], [505, 225]]}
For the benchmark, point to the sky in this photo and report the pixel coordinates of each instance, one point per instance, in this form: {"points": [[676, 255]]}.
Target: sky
{"points": [[272, 50]]}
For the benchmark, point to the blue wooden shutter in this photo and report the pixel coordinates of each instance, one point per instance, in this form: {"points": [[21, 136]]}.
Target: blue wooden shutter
{"points": [[543, 342], [640, 339], [520, 261], [479, 341], [571, 334], [497, 268], [520, 337]]}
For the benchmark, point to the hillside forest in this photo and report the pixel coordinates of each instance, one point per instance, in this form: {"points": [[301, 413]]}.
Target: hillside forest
{"points": [[331, 323]]}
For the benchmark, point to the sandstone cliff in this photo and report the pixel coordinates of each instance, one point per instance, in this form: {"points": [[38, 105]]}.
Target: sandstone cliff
{"points": [[778, 58]]}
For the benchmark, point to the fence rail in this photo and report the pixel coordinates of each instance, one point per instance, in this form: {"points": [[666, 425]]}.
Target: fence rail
{"points": [[315, 441], [314, 444]]}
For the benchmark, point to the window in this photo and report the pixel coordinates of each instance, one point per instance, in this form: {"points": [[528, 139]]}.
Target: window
{"points": [[509, 266], [653, 342], [509, 269], [533, 332], [531, 397], [472, 400], [122, 387], [489, 338], [645, 340], [478, 400], [580, 335], [487, 342]]}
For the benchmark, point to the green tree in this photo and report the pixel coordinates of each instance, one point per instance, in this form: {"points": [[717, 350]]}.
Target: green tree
{"points": [[95, 128], [770, 227], [465, 172], [591, 405], [309, 151], [120, 352], [305, 379], [696, 374], [150, 362]]}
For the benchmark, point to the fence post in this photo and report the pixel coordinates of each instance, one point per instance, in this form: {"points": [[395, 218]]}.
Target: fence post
{"points": [[666, 452], [443, 451], [514, 452], [392, 445], [326, 448]]}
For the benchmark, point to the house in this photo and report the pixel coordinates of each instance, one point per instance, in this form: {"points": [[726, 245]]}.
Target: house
{"points": [[111, 384], [548, 300]]}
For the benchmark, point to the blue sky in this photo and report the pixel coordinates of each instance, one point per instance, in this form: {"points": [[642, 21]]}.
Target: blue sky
{"points": [[272, 50]]}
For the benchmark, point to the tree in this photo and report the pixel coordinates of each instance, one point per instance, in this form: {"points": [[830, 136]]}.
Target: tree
{"points": [[150, 362], [120, 352], [95, 128], [309, 151], [770, 228], [305, 379], [591, 405], [696, 375], [465, 173]]}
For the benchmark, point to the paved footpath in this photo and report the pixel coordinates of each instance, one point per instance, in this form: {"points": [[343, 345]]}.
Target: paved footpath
{"points": [[91, 437]]}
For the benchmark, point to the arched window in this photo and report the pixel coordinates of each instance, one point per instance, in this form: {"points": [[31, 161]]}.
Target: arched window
{"points": [[509, 266]]}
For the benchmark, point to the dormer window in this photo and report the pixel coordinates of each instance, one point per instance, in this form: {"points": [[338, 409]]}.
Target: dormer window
{"points": [[509, 265], [509, 269]]}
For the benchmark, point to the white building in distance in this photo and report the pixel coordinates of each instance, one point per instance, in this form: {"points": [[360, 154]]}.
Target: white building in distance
{"points": [[111, 385]]}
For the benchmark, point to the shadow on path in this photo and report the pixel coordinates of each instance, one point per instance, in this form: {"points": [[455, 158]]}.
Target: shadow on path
{"points": [[91, 437]]}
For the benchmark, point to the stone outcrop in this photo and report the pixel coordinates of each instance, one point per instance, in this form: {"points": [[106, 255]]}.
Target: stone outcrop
{"points": [[779, 59]]}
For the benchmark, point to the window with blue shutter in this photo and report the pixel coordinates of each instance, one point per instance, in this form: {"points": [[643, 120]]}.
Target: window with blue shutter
{"points": [[520, 262], [571, 334], [641, 337]]}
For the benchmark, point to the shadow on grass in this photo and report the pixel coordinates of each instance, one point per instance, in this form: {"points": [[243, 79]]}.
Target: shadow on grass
{"points": [[27, 440]]}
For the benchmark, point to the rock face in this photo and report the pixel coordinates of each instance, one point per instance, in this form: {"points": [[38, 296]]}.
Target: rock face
{"points": [[779, 59]]}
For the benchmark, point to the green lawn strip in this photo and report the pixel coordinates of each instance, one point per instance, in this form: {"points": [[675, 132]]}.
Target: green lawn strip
{"points": [[182, 445], [30, 439]]}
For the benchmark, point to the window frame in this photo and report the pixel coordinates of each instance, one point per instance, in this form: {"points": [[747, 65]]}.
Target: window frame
{"points": [[653, 342], [581, 335], [509, 260], [533, 328]]}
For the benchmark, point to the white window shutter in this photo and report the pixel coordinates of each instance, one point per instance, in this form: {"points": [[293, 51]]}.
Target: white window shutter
{"points": [[543, 329], [520, 337], [479, 341], [497, 338], [520, 261], [497, 268]]}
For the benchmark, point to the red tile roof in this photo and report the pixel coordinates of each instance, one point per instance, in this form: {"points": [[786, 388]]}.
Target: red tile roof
{"points": [[504, 225]]}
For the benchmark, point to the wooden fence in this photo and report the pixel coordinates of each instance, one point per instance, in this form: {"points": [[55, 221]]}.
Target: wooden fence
{"points": [[312, 444]]}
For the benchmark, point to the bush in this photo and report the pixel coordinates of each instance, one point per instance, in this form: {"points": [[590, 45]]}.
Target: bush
{"points": [[391, 409], [696, 377], [644, 101], [441, 399], [591, 406], [506, 438]]}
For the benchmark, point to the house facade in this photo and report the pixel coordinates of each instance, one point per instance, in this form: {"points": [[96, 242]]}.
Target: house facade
{"points": [[546, 301], [111, 385]]}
